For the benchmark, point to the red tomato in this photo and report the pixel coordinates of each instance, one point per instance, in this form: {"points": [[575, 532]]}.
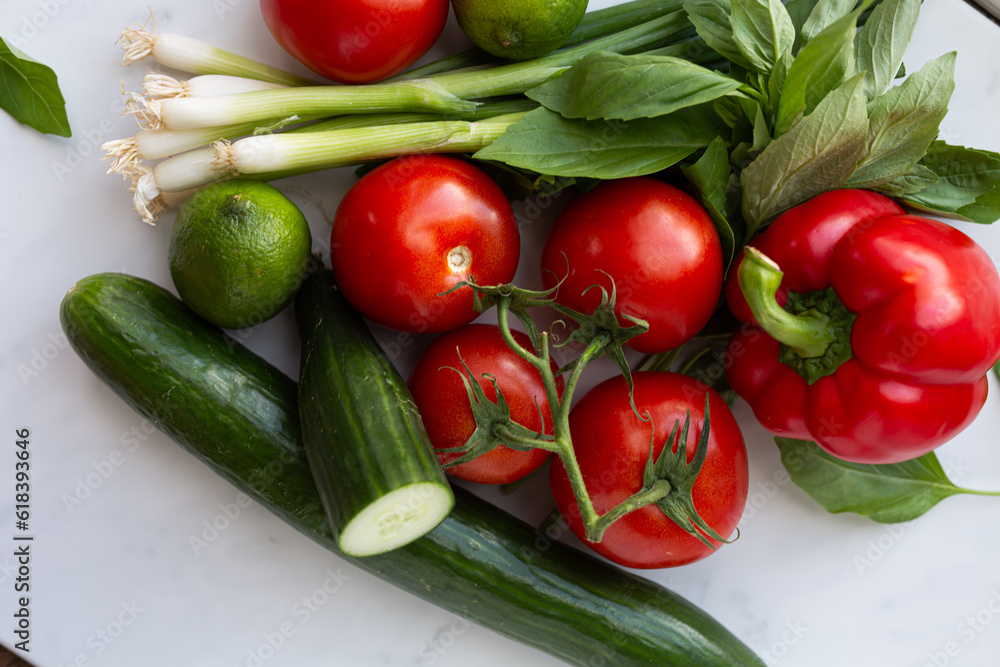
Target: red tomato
{"points": [[660, 246], [612, 447], [444, 403], [356, 41], [412, 229]]}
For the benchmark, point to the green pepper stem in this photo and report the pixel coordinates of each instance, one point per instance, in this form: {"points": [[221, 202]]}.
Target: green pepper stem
{"points": [[808, 333]]}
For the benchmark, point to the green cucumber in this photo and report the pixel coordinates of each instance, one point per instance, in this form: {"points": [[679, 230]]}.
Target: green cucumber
{"points": [[237, 413], [373, 463]]}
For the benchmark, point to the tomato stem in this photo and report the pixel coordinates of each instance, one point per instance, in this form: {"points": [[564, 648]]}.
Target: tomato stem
{"points": [[562, 443]]}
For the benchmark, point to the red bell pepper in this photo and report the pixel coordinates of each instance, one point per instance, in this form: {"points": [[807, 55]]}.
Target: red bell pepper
{"points": [[868, 331]]}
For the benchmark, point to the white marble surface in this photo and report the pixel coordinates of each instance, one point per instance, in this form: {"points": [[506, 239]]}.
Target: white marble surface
{"points": [[115, 580]]}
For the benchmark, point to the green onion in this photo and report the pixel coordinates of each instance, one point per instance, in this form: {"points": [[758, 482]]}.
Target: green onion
{"points": [[273, 156], [156, 85], [196, 57], [447, 93], [423, 95]]}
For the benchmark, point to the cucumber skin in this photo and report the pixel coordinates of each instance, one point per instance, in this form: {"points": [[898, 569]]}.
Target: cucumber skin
{"points": [[479, 563], [360, 425]]}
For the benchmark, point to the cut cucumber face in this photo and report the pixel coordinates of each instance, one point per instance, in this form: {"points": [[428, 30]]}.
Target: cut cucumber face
{"points": [[369, 452], [396, 518]]}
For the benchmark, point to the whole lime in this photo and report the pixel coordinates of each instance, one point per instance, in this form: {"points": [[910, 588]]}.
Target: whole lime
{"points": [[519, 29], [239, 251]]}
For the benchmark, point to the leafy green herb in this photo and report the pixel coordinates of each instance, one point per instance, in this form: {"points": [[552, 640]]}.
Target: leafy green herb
{"points": [[968, 186], [903, 122], [711, 19], [817, 154], [881, 43], [613, 86], [818, 69], [712, 177], [602, 148], [29, 91], [918, 178], [891, 493], [823, 15], [763, 32]]}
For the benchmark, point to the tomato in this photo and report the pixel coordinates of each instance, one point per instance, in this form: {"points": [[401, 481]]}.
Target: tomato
{"points": [[657, 243], [412, 229], [612, 446], [355, 41], [444, 405]]}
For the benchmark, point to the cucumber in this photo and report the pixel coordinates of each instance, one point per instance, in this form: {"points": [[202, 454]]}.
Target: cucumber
{"points": [[371, 458], [237, 413]]}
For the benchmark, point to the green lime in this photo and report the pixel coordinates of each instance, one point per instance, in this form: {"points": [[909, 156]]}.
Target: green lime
{"points": [[519, 29], [239, 251]]}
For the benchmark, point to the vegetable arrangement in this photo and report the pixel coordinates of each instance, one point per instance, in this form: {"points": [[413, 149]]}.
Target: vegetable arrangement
{"points": [[480, 563], [751, 182]]}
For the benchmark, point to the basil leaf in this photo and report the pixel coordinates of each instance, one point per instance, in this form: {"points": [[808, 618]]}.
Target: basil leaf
{"points": [[882, 43], [610, 85], [819, 68], [903, 122], [710, 175], [968, 185], [917, 179], [29, 91], [763, 31], [711, 20], [799, 11], [825, 14], [817, 154], [545, 142], [891, 493]]}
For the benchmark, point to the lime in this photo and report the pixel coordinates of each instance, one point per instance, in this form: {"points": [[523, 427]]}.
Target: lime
{"points": [[519, 29], [239, 251]]}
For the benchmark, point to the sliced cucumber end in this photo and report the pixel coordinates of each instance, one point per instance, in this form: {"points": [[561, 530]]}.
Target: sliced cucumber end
{"points": [[397, 518]]}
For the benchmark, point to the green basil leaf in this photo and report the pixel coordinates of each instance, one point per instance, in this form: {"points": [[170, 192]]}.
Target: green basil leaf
{"points": [[918, 178], [610, 85], [820, 67], [903, 122], [986, 208], [825, 14], [799, 11], [545, 142], [710, 175], [711, 20], [968, 185], [891, 493], [817, 154], [763, 31], [29, 91], [882, 43]]}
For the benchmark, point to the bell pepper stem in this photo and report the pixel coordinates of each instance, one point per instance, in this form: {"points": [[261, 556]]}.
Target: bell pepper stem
{"points": [[808, 333]]}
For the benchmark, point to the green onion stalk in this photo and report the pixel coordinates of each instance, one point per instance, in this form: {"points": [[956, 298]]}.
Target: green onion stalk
{"points": [[449, 93], [273, 156]]}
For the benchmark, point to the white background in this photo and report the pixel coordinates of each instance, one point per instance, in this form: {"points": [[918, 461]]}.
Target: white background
{"points": [[800, 586]]}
